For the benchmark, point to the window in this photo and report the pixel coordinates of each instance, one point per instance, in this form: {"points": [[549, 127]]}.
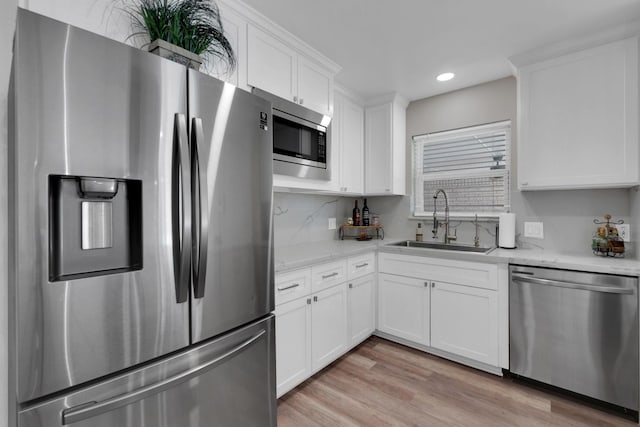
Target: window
{"points": [[471, 165]]}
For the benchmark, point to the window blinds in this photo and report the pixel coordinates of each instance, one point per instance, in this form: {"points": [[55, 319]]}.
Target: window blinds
{"points": [[470, 164]]}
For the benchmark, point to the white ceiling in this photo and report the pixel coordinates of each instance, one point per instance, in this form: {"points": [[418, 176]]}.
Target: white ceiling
{"points": [[387, 46]]}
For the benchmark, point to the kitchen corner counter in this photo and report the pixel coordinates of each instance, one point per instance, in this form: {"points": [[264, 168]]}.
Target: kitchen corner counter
{"points": [[306, 254]]}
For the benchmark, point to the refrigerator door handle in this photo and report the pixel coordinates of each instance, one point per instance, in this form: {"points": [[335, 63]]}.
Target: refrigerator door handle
{"points": [[92, 409], [181, 208], [200, 211]]}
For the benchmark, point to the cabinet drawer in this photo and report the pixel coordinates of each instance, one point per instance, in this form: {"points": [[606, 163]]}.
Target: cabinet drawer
{"points": [[292, 284], [358, 266], [476, 274], [324, 276]]}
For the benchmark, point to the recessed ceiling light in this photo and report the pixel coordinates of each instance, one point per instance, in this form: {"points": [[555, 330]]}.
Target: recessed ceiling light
{"points": [[445, 76]]}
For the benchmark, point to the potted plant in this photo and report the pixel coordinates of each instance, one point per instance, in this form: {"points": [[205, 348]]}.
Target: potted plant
{"points": [[185, 31]]}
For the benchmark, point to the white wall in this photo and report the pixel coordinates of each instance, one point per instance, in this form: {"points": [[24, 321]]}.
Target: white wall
{"points": [[7, 26], [105, 17]]}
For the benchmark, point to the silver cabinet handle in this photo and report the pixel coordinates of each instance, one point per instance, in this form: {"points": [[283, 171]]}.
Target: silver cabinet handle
{"points": [[426, 284], [329, 275], [315, 299], [571, 285], [308, 300], [362, 265], [93, 409], [433, 284], [350, 285], [295, 285]]}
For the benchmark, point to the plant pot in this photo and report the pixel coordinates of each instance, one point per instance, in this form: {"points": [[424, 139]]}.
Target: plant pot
{"points": [[175, 53]]}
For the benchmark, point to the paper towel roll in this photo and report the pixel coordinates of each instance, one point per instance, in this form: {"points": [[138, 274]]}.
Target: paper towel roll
{"points": [[507, 237]]}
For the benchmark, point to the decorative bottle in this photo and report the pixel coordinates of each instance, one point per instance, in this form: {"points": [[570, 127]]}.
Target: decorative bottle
{"points": [[365, 213], [356, 215]]}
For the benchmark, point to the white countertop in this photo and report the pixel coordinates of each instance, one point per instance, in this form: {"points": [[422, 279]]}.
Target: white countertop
{"points": [[302, 255], [305, 254]]}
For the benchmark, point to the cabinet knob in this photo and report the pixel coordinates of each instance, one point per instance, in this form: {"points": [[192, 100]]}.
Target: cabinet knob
{"points": [[315, 299], [426, 284], [433, 284], [350, 285], [308, 300], [295, 99]]}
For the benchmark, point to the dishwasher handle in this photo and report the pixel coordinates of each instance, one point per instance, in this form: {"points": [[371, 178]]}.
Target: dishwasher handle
{"points": [[572, 285]]}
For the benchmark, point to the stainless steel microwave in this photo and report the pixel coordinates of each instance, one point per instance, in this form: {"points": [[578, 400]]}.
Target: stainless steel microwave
{"points": [[301, 142]]}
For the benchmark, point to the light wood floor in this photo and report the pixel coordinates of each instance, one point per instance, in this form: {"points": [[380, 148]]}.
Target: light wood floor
{"points": [[381, 383]]}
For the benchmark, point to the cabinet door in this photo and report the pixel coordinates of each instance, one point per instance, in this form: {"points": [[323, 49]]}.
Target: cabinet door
{"points": [[315, 87], [361, 309], [579, 119], [464, 321], [272, 65], [351, 147], [329, 326], [235, 30], [293, 344], [403, 307], [378, 149]]}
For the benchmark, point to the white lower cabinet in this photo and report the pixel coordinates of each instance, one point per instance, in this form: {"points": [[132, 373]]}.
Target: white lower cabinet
{"points": [[293, 344], [464, 321], [328, 326], [403, 307], [456, 309], [361, 309], [333, 311]]}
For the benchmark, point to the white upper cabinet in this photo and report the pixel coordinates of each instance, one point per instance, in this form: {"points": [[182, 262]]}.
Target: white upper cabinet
{"points": [[385, 147], [277, 67], [578, 119], [235, 30], [272, 65], [315, 86], [347, 142]]}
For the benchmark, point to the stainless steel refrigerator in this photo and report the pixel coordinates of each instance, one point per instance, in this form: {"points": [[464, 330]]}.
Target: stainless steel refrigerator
{"points": [[141, 279]]}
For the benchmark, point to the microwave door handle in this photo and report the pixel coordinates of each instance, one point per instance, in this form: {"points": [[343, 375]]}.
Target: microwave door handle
{"points": [[200, 211], [181, 208]]}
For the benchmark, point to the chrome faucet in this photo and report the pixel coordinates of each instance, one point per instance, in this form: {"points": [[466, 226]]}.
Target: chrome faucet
{"points": [[436, 223], [476, 239]]}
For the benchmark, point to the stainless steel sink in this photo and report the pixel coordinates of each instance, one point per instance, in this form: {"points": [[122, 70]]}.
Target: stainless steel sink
{"points": [[441, 246]]}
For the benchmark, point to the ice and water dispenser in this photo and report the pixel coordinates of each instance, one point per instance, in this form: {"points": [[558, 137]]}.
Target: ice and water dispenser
{"points": [[95, 226]]}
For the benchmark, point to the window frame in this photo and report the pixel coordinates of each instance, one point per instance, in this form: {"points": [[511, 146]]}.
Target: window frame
{"points": [[417, 190]]}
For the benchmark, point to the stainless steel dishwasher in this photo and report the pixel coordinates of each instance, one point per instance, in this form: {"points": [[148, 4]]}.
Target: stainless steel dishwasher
{"points": [[577, 331]]}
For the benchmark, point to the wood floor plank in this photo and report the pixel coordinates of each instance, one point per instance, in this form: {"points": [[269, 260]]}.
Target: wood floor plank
{"points": [[381, 383]]}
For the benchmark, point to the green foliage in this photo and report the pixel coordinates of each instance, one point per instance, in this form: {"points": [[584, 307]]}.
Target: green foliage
{"points": [[194, 25]]}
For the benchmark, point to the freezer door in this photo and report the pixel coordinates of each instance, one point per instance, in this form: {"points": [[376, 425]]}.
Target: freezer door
{"points": [[95, 132], [228, 382], [232, 192]]}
